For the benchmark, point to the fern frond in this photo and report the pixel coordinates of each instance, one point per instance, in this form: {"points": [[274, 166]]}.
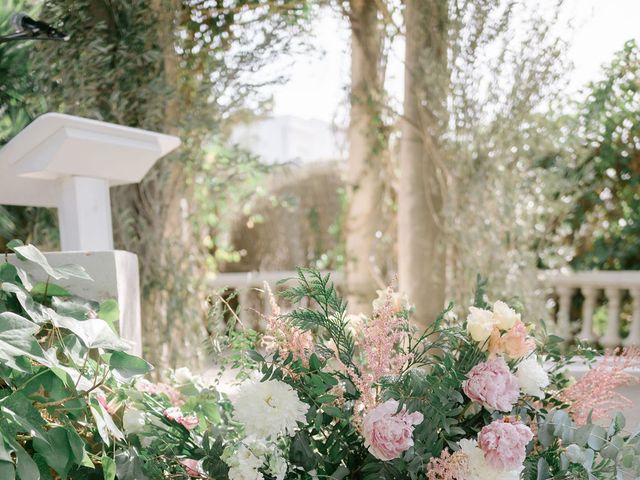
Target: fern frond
{"points": [[327, 313]]}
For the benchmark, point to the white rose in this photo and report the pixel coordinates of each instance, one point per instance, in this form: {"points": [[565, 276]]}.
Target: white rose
{"points": [[183, 375], [504, 316], [480, 324], [532, 377], [133, 421]]}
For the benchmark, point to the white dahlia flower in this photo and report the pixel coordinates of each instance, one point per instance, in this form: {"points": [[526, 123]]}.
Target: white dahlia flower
{"points": [[243, 462], [532, 377], [479, 469], [268, 409]]}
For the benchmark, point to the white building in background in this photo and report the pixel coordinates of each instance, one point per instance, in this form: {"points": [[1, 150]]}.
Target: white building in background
{"points": [[287, 139]]}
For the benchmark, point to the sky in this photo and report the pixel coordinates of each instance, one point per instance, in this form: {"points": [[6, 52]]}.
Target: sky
{"points": [[317, 83]]}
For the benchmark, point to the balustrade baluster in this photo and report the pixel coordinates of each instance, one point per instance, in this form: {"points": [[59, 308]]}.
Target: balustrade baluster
{"points": [[634, 332], [266, 309], [243, 302], [590, 296], [563, 325], [611, 336]]}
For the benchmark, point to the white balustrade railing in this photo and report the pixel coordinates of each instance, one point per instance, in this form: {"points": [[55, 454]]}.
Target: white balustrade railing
{"points": [[591, 285], [248, 284]]}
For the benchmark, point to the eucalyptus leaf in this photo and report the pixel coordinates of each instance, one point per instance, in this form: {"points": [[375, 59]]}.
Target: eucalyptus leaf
{"points": [[597, 438]]}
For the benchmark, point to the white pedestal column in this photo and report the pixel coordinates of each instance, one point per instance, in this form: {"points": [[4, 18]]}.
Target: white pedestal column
{"points": [[84, 212]]}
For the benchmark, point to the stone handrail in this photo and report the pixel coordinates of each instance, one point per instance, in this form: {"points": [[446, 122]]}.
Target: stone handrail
{"points": [[565, 284], [590, 284], [243, 283]]}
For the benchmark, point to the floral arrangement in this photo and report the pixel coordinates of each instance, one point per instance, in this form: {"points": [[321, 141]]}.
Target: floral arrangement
{"points": [[319, 394]]}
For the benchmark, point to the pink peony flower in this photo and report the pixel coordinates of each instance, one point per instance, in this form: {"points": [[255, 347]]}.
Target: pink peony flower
{"points": [[387, 432], [191, 466], [504, 443], [492, 384]]}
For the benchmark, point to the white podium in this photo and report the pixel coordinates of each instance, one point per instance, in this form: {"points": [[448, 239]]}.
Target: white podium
{"points": [[69, 163]]}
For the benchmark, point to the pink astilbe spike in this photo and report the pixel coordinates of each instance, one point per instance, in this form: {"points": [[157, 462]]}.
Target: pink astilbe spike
{"points": [[595, 391], [382, 336], [285, 338], [448, 466]]}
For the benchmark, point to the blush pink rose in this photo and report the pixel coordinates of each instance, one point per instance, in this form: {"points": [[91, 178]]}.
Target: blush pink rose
{"points": [[189, 422], [516, 342], [192, 467], [175, 415], [504, 443], [387, 432], [492, 384]]}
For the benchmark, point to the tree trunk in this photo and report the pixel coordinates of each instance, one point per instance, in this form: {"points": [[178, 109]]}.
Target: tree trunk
{"points": [[367, 147], [421, 242]]}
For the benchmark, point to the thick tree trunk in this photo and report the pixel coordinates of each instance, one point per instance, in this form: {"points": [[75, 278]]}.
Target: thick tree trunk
{"points": [[367, 147], [421, 243]]}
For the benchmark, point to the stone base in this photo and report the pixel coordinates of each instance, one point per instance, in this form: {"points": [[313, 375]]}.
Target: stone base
{"points": [[115, 275]]}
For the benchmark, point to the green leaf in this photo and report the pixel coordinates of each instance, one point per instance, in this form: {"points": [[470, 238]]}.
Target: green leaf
{"points": [[34, 310], [613, 448], [108, 467], [104, 423], [56, 451], [26, 468], [582, 435], [301, 453], [7, 470], [22, 417], [597, 438], [129, 465], [16, 340], [94, 332], [543, 469], [109, 311], [340, 473], [127, 366], [32, 254], [49, 290], [8, 273]]}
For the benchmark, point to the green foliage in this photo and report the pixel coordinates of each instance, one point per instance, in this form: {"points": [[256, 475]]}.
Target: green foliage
{"points": [[329, 319], [188, 68], [604, 224], [56, 358], [18, 103]]}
